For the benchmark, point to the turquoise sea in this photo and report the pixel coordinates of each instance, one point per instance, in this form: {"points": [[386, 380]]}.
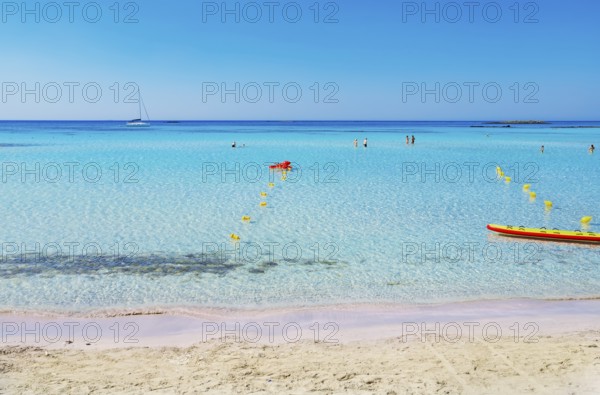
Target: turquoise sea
{"points": [[98, 216]]}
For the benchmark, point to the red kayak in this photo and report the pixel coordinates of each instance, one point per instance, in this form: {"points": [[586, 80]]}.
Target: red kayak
{"points": [[282, 166], [547, 234]]}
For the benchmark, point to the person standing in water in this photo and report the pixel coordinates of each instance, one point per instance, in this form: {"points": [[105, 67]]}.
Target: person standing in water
{"points": [[407, 142], [542, 149], [591, 149], [413, 139], [355, 143], [365, 142], [233, 145]]}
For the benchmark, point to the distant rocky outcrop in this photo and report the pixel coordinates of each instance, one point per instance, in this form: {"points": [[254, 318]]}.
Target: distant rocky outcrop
{"points": [[518, 123]]}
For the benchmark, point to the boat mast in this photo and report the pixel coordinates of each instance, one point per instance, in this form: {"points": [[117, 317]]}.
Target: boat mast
{"points": [[140, 102]]}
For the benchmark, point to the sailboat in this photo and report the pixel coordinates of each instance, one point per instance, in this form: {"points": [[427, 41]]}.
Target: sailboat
{"points": [[138, 123]]}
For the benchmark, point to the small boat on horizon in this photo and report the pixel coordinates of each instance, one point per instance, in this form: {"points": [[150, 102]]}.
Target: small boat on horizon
{"points": [[138, 122]]}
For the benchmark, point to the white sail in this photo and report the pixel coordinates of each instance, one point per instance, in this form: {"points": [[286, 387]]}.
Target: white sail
{"points": [[139, 122]]}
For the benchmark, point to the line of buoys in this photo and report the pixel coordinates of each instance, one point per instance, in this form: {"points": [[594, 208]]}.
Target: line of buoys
{"points": [[264, 195], [526, 187], [532, 195]]}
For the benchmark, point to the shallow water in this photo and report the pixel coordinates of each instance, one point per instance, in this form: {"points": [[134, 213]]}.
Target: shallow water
{"points": [[98, 216]]}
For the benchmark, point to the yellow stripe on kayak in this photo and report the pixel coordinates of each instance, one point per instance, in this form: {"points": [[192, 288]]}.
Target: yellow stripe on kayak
{"points": [[545, 233]]}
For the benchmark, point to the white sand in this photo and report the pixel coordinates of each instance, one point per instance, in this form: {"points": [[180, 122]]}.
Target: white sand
{"points": [[556, 350]]}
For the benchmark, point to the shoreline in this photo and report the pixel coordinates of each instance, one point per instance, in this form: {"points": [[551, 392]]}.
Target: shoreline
{"points": [[201, 310], [335, 324], [538, 347]]}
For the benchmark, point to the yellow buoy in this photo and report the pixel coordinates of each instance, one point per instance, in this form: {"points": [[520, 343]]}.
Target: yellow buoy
{"points": [[532, 195], [246, 218], [501, 174], [283, 178], [526, 187], [263, 194], [586, 220], [271, 185], [234, 236], [263, 204], [548, 203], [507, 179]]}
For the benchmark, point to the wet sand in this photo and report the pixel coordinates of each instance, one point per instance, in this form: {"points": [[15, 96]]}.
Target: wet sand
{"points": [[480, 347]]}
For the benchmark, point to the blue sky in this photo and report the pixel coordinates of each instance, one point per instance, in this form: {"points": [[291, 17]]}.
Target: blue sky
{"points": [[373, 60]]}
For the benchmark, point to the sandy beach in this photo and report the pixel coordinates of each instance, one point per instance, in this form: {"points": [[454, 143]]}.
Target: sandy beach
{"points": [[566, 364], [535, 347]]}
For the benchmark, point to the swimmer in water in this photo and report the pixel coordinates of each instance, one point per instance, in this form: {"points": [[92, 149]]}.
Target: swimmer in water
{"points": [[365, 143]]}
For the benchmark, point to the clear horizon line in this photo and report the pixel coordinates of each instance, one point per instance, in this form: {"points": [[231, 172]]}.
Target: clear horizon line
{"points": [[297, 120]]}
